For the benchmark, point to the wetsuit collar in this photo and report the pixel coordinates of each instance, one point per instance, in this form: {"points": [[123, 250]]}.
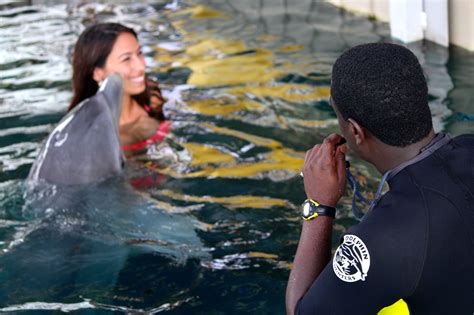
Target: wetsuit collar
{"points": [[437, 142]]}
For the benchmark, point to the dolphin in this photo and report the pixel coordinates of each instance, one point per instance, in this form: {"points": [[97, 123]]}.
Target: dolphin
{"points": [[76, 198], [84, 147]]}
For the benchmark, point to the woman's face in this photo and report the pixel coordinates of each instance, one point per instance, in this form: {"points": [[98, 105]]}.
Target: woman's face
{"points": [[127, 59]]}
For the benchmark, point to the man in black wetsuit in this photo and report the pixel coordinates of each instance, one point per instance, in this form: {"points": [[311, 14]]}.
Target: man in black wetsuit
{"points": [[417, 241]]}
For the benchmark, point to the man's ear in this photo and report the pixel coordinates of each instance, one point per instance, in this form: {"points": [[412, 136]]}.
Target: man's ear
{"points": [[99, 74], [359, 132]]}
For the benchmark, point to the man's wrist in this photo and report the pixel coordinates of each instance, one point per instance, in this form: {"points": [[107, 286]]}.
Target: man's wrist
{"points": [[329, 202], [311, 209]]}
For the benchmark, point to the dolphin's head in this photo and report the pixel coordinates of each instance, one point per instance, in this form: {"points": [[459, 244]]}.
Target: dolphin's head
{"points": [[85, 147]]}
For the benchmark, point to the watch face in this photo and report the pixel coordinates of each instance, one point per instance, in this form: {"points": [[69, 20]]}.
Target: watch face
{"points": [[312, 209], [306, 209]]}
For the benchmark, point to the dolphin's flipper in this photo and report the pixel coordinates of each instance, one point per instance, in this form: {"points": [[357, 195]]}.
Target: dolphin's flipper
{"points": [[85, 146]]}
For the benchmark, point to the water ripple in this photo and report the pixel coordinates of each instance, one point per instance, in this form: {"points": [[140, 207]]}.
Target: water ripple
{"points": [[247, 84]]}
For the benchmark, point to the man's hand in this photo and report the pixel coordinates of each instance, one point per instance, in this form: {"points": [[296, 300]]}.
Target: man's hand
{"points": [[324, 171]]}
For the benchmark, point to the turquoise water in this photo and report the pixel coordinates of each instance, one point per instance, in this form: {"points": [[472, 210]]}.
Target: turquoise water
{"points": [[210, 223]]}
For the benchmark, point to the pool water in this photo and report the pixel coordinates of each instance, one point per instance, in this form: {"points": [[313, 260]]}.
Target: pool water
{"points": [[210, 221]]}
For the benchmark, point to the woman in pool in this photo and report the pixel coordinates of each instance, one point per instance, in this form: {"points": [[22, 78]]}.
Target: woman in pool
{"points": [[110, 47]]}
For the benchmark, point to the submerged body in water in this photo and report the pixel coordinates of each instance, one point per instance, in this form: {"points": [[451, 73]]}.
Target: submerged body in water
{"points": [[107, 229]]}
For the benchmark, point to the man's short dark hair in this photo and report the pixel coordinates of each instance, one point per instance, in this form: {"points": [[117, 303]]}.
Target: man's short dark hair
{"points": [[382, 87]]}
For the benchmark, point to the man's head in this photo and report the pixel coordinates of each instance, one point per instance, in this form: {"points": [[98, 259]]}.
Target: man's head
{"points": [[381, 87]]}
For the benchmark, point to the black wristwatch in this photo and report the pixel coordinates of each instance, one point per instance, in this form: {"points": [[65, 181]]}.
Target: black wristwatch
{"points": [[312, 209]]}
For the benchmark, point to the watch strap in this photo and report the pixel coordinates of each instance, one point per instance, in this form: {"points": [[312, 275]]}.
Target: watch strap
{"points": [[318, 209]]}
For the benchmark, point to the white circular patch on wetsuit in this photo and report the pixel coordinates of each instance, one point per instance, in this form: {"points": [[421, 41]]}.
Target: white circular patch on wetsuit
{"points": [[351, 261]]}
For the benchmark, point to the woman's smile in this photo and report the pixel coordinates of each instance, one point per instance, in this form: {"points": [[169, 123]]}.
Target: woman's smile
{"points": [[138, 79]]}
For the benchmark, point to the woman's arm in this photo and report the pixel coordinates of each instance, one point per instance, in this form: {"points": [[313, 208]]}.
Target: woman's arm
{"points": [[138, 130], [324, 181]]}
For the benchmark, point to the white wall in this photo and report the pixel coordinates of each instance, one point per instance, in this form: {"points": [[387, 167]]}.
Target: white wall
{"points": [[461, 23], [460, 18]]}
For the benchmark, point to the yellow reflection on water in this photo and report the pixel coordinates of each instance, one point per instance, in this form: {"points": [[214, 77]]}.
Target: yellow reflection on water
{"points": [[291, 48], [288, 92], [230, 70], [243, 169], [231, 202], [260, 141], [274, 161], [201, 12], [222, 107], [311, 123], [216, 46], [247, 72], [203, 154], [279, 158], [212, 162], [262, 255], [214, 62]]}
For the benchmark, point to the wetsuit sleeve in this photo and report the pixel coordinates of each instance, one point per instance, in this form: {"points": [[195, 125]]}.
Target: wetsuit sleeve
{"points": [[377, 263]]}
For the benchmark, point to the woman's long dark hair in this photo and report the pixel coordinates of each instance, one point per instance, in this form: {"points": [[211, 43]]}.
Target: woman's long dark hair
{"points": [[91, 50]]}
